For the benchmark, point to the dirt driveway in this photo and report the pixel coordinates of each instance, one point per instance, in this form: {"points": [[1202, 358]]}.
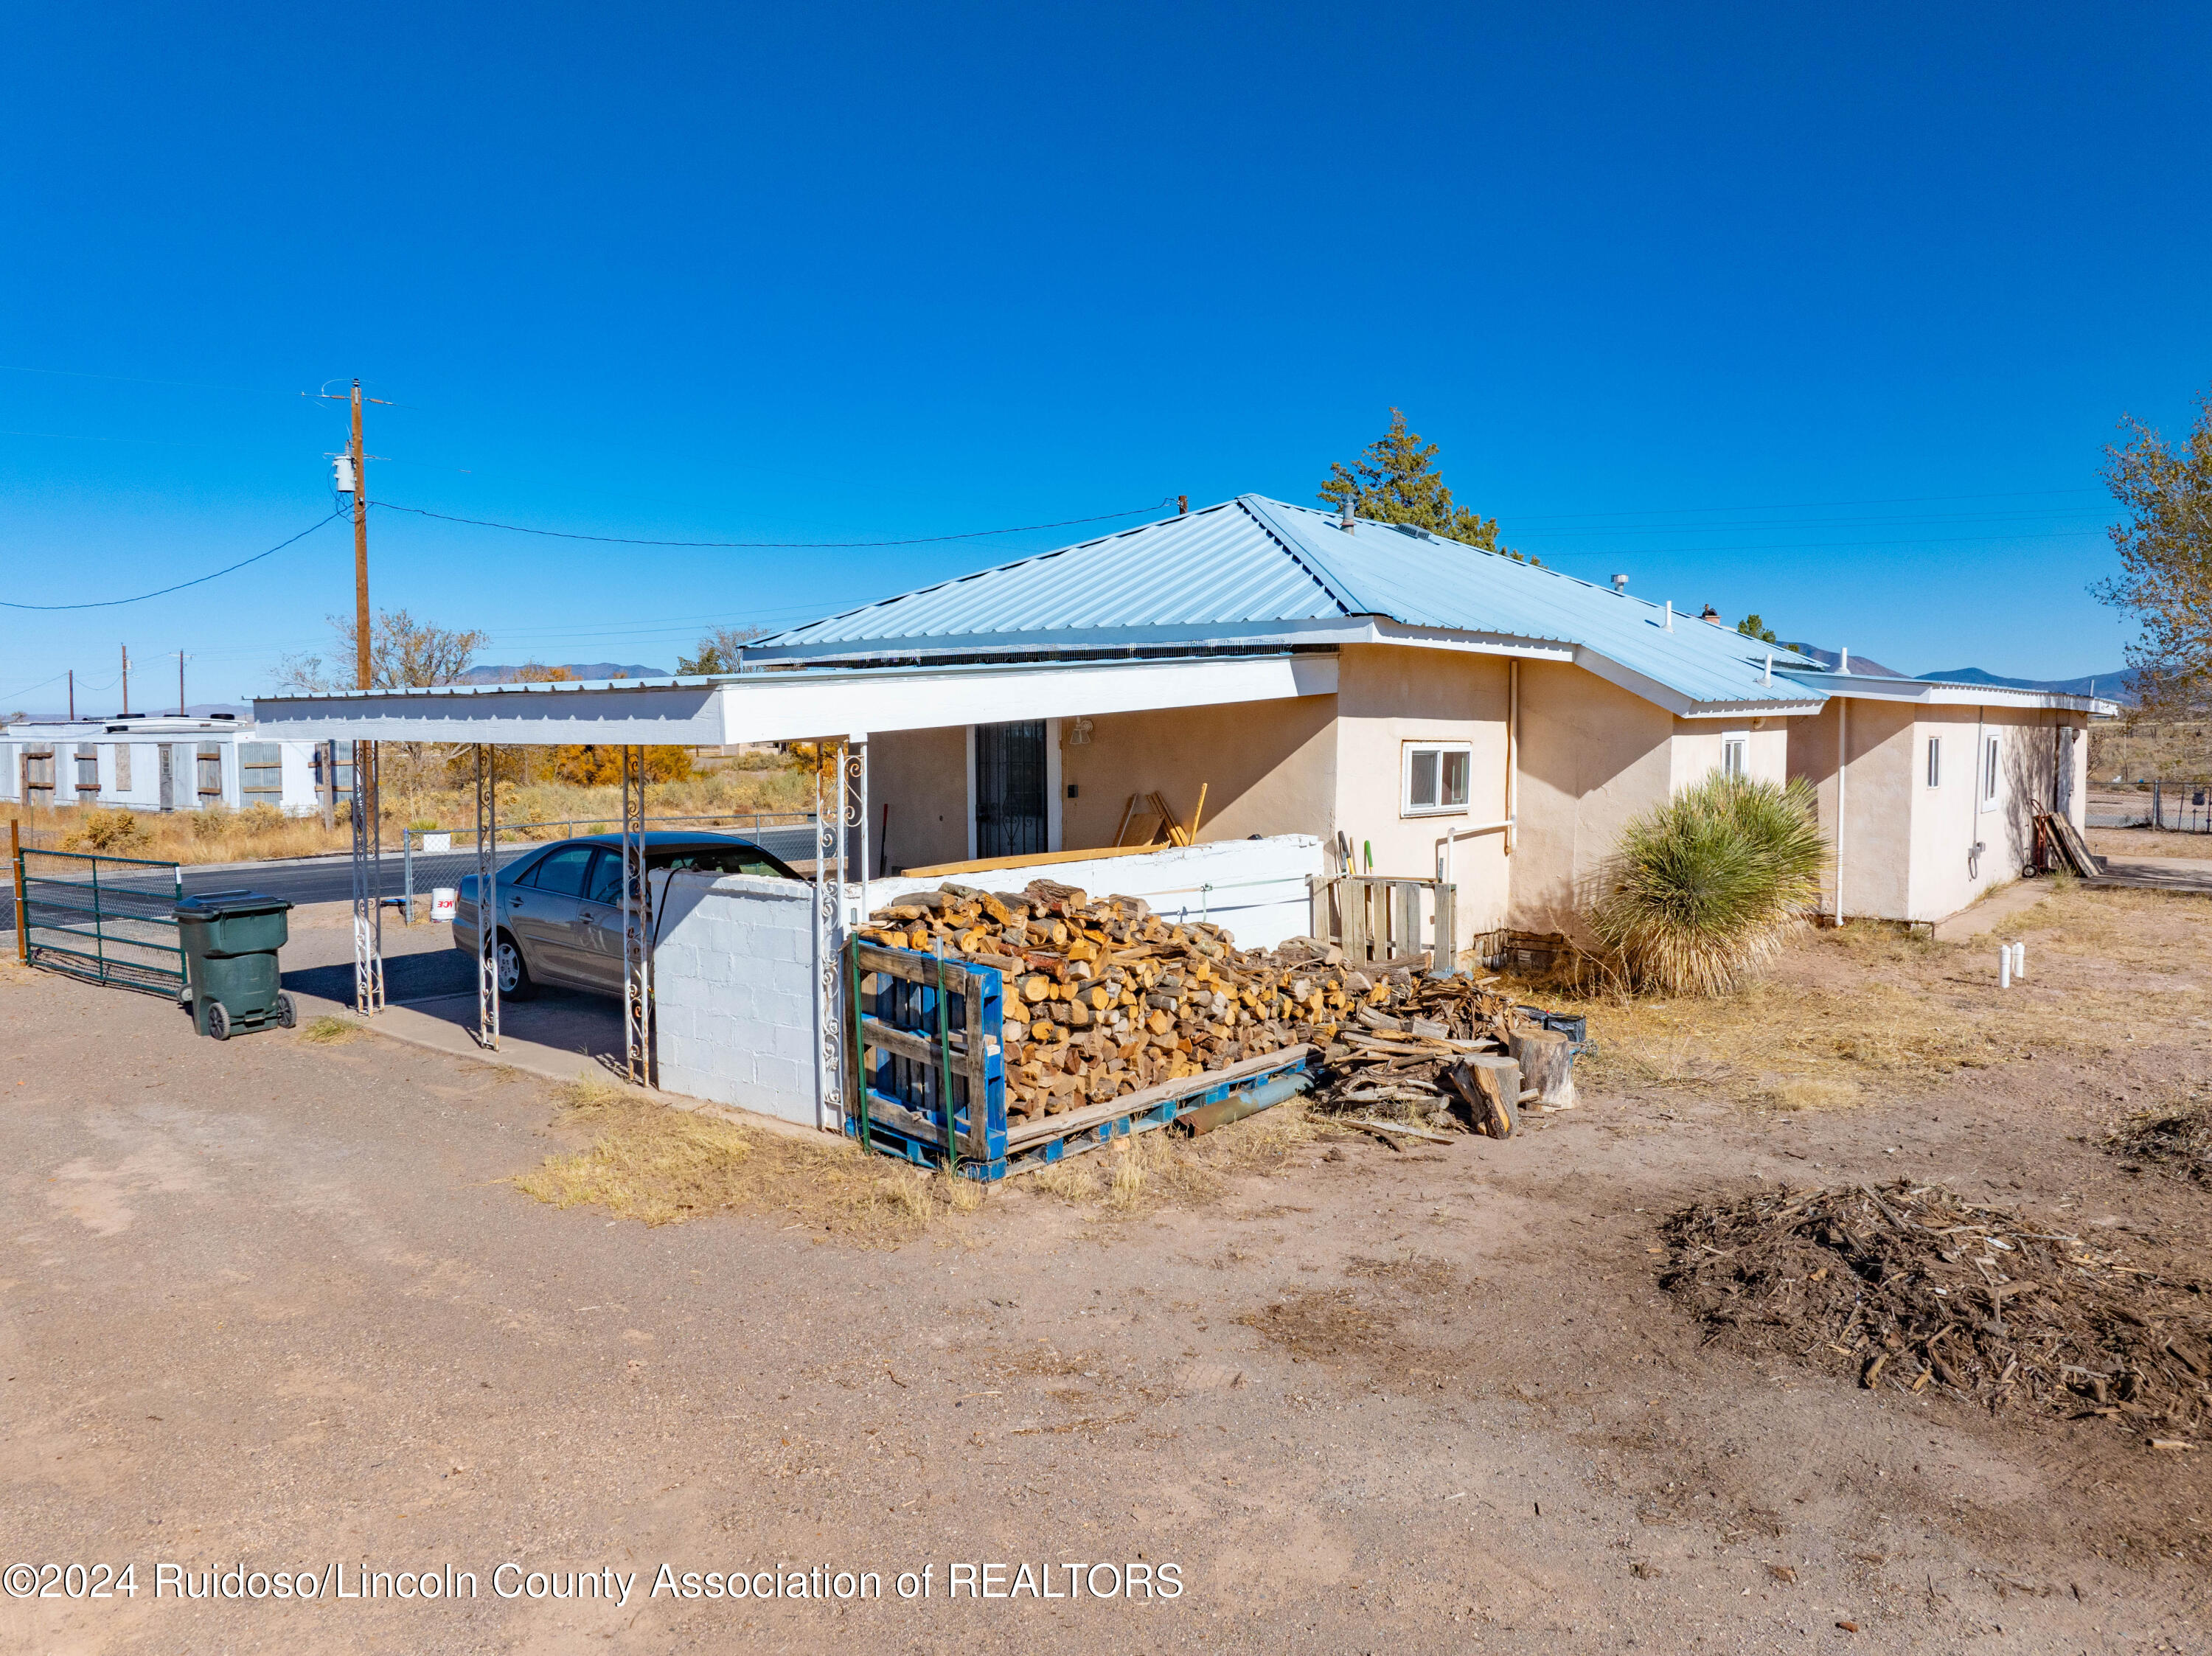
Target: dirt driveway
{"points": [[273, 1308]]}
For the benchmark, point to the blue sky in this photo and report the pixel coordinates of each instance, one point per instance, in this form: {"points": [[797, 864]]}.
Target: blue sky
{"points": [[1824, 314]]}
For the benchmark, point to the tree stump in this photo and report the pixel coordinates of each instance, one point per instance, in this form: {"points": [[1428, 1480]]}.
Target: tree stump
{"points": [[1490, 1086], [1546, 1058]]}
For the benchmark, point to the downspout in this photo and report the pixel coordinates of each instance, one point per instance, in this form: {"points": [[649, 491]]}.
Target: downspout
{"points": [[1843, 783], [1512, 750]]}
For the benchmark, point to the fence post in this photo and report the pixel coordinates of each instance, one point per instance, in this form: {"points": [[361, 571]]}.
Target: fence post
{"points": [[407, 872], [22, 916]]}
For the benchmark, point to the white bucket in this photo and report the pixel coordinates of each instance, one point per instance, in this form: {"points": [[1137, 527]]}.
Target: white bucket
{"points": [[441, 902]]}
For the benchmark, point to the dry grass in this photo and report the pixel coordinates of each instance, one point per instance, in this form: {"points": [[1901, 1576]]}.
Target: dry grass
{"points": [[327, 1031], [1159, 1169], [1868, 1011], [188, 836], [650, 1162], [2149, 842]]}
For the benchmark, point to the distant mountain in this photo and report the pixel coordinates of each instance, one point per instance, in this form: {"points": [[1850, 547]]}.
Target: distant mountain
{"points": [[1863, 665], [2119, 684], [590, 670]]}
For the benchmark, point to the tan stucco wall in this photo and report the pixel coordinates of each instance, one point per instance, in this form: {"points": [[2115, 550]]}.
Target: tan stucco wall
{"points": [[1592, 756], [1389, 697], [1696, 753], [922, 775], [1906, 846], [1268, 768]]}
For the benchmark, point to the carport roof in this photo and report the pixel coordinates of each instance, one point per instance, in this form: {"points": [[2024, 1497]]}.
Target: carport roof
{"points": [[1255, 571]]}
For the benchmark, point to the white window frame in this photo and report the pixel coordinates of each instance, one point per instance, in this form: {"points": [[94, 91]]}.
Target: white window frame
{"points": [[1934, 773], [1405, 752], [1738, 744], [1992, 759]]}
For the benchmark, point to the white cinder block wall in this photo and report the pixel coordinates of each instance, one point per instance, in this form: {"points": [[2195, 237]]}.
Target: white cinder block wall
{"points": [[1256, 889], [733, 992]]}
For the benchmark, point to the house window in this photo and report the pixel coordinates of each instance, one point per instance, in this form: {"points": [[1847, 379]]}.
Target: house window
{"points": [[210, 770], [1990, 771], [261, 772], [123, 767], [1435, 778], [1935, 762], [87, 768], [1735, 755]]}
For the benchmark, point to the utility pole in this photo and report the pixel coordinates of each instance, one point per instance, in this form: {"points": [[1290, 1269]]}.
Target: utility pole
{"points": [[356, 460], [126, 679], [181, 683], [360, 548], [72, 673]]}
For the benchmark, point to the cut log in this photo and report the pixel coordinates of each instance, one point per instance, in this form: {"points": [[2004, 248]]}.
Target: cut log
{"points": [[1546, 1057], [1492, 1089]]}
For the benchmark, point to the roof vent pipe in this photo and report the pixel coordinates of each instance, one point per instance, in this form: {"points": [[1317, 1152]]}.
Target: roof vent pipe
{"points": [[1844, 661], [1770, 667], [1620, 582], [1344, 517], [1670, 615]]}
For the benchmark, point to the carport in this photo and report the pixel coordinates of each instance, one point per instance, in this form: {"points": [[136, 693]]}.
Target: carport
{"points": [[839, 707]]}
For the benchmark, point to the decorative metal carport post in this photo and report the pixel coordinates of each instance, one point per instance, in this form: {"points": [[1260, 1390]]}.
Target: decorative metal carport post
{"points": [[829, 787], [367, 883], [637, 918], [487, 897]]}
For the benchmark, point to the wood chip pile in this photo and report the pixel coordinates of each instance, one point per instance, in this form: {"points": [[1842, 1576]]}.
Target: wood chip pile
{"points": [[1103, 997], [1909, 1289]]}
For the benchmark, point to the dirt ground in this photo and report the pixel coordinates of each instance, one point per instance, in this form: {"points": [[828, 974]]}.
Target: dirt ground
{"points": [[277, 1305]]}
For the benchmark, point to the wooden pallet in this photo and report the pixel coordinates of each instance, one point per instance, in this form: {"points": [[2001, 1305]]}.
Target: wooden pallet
{"points": [[920, 1044]]}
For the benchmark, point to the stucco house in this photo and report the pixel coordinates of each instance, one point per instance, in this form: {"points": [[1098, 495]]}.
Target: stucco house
{"points": [[1429, 707]]}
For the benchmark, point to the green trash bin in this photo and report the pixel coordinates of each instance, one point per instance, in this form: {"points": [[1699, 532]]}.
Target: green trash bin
{"points": [[230, 941]]}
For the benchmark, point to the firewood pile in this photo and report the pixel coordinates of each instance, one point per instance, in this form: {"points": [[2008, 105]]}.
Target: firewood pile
{"points": [[1908, 1289], [1445, 1055], [1105, 997]]}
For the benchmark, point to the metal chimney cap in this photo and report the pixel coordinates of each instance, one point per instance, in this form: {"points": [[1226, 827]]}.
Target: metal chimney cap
{"points": [[1343, 519], [1620, 582]]}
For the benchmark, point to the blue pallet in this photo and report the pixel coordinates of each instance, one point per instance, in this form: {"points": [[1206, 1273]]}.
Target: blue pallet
{"points": [[913, 1087]]}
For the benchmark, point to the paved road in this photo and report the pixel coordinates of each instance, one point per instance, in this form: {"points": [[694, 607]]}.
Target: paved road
{"points": [[329, 879]]}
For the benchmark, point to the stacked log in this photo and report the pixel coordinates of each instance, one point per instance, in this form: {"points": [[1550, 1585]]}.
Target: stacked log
{"points": [[1105, 996]]}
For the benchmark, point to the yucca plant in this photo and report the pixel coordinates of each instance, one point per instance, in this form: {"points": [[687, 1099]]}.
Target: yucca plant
{"points": [[1705, 888]]}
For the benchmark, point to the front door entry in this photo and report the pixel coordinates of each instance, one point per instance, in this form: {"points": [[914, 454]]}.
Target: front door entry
{"points": [[1010, 784]]}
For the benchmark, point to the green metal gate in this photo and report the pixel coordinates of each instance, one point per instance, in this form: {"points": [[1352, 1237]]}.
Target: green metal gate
{"points": [[111, 919]]}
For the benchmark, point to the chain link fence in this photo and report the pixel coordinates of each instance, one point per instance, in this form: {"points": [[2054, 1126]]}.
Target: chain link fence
{"points": [[2183, 807]]}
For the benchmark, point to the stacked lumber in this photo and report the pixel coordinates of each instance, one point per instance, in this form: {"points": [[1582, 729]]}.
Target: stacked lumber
{"points": [[1105, 997]]}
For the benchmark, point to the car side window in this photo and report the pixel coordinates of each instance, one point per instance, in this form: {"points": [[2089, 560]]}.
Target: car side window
{"points": [[736, 859], [606, 879], [561, 872]]}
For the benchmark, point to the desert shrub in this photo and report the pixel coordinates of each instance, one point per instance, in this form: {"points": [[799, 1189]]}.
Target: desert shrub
{"points": [[261, 817], [210, 826], [117, 832], [1705, 888]]}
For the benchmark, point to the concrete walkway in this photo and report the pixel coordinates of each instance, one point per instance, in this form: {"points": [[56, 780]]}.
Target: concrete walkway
{"points": [[2000, 907]]}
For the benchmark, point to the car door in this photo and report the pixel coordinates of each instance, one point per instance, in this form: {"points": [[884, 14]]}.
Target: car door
{"points": [[544, 914], [599, 924]]}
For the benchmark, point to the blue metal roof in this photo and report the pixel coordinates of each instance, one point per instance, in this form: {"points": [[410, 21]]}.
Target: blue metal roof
{"points": [[1256, 570]]}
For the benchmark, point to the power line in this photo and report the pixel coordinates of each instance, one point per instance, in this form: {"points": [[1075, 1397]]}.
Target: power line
{"points": [[110, 603], [767, 546]]}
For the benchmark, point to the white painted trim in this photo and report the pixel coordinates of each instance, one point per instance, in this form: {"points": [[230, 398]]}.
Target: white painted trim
{"points": [[786, 707], [971, 794], [1053, 837], [1929, 693]]}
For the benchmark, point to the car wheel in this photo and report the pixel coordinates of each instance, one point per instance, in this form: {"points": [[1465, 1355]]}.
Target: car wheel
{"points": [[288, 1011], [511, 971], [218, 1021]]}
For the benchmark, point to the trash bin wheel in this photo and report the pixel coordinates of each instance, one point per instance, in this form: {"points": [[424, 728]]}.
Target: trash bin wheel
{"points": [[288, 1010], [218, 1021]]}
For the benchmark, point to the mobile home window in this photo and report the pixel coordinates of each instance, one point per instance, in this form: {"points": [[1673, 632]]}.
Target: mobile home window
{"points": [[1935, 762], [261, 772], [210, 770], [1990, 771], [123, 767], [87, 768], [1437, 776], [1735, 755]]}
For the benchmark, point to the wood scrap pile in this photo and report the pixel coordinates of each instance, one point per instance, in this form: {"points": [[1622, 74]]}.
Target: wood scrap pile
{"points": [[1908, 1287], [1105, 996]]}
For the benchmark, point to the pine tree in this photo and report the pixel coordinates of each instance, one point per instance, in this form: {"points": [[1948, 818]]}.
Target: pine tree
{"points": [[1391, 482]]}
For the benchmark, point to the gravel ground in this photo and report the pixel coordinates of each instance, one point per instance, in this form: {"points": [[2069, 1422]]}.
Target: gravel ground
{"points": [[270, 1306]]}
